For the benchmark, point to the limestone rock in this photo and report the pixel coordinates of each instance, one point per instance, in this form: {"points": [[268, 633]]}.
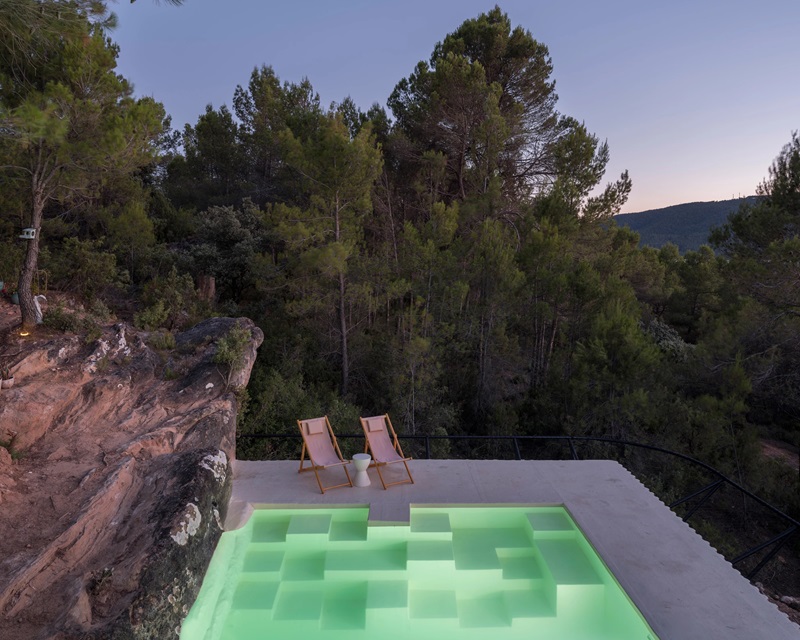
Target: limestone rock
{"points": [[112, 507]]}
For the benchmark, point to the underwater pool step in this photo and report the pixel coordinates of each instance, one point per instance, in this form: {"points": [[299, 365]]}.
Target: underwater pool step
{"points": [[263, 561], [487, 611], [298, 604], [430, 525], [579, 590], [431, 604], [347, 531], [387, 533], [321, 606], [580, 601], [391, 558], [269, 530], [480, 549], [498, 609], [303, 566], [309, 526], [567, 562], [430, 558], [548, 523], [387, 594], [255, 594], [430, 550], [519, 564], [345, 608], [530, 603]]}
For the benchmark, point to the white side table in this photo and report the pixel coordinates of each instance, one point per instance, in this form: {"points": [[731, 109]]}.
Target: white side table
{"points": [[361, 462]]}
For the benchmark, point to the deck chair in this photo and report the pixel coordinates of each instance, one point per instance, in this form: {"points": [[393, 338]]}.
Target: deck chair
{"points": [[323, 451], [383, 445]]}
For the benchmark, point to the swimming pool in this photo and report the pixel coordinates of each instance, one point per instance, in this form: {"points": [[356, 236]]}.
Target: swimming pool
{"points": [[451, 572]]}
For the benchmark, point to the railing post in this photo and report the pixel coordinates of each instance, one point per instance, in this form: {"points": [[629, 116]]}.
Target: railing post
{"points": [[573, 450], [427, 447], [516, 448], [778, 542], [709, 491]]}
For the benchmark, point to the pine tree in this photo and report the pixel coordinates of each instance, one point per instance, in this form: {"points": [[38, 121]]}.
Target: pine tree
{"points": [[337, 173], [67, 129]]}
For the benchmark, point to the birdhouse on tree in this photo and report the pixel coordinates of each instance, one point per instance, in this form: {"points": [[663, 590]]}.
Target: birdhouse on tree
{"points": [[28, 233]]}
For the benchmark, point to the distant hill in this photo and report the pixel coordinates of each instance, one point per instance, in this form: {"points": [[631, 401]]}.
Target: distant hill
{"points": [[685, 225]]}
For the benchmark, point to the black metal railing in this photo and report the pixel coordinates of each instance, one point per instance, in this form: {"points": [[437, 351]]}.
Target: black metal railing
{"points": [[702, 495]]}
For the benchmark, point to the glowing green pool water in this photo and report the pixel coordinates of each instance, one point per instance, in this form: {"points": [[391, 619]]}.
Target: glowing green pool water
{"points": [[453, 572]]}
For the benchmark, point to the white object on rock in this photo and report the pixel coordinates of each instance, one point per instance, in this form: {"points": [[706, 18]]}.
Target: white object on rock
{"points": [[37, 312]]}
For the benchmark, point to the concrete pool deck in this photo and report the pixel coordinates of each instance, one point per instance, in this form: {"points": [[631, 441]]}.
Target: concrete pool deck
{"points": [[682, 586]]}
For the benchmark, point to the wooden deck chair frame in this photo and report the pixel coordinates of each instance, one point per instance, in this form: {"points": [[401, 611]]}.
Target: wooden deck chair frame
{"points": [[372, 444], [332, 454]]}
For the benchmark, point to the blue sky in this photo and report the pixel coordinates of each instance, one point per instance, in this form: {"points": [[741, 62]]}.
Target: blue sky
{"points": [[695, 98]]}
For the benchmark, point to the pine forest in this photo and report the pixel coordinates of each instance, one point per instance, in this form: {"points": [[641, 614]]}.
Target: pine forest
{"points": [[450, 259]]}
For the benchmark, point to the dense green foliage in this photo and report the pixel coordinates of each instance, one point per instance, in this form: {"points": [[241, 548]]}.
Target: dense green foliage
{"points": [[762, 244], [455, 264], [72, 137]]}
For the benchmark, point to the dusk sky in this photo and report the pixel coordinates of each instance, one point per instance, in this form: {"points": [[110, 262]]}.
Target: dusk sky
{"points": [[695, 98]]}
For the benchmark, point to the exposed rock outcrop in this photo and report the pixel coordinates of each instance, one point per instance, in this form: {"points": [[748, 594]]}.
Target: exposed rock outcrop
{"points": [[114, 480]]}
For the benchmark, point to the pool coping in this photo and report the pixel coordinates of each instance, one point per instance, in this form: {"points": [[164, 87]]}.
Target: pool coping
{"points": [[681, 585]]}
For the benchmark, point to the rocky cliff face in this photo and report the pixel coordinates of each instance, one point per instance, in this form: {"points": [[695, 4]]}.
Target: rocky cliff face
{"points": [[114, 480]]}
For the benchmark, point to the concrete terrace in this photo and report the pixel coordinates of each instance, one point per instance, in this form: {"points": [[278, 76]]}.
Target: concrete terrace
{"points": [[682, 586]]}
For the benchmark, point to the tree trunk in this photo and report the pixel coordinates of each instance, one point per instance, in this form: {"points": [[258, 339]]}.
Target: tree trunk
{"points": [[343, 330], [206, 288], [387, 186], [342, 311], [29, 268]]}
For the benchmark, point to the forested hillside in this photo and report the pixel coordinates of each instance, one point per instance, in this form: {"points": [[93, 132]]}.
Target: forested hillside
{"points": [[687, 226], [441, 260]]}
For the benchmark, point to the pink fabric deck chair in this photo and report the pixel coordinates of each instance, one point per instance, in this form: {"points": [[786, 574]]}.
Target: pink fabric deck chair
{"points": [[319, 442], [383, 445]]}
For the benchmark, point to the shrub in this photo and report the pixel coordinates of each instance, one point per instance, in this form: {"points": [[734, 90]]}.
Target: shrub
{"points": [[152, 317], [11, 255], [230, 351], [162, 341], [60, 319], [171, 303], [83, 268]]}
